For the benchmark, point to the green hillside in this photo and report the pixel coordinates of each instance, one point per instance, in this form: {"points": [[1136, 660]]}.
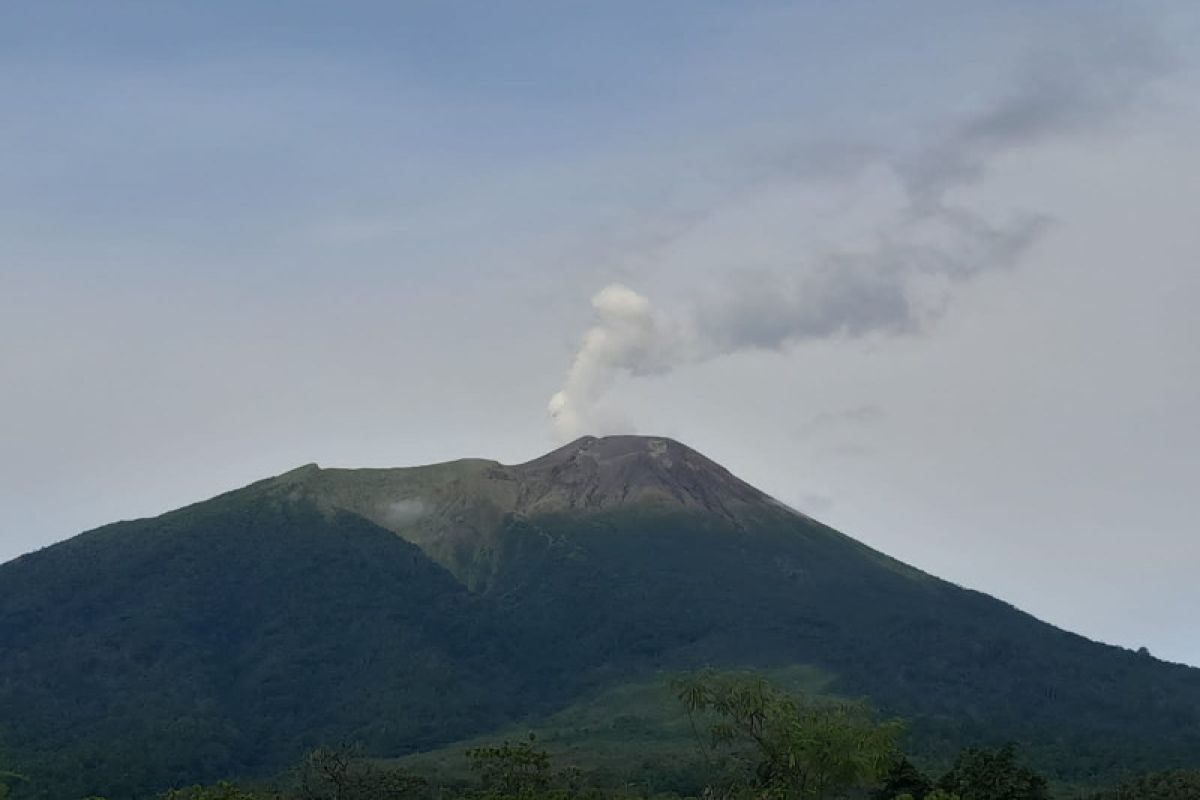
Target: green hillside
{"points": [[409, 609], [226, 639], [635, 733]]}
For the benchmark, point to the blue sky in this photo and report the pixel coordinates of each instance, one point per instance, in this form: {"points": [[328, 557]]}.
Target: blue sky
{"points": [[924, 270]]}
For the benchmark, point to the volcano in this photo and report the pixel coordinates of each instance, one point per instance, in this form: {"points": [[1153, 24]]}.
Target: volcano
{"points": [[408, 608]]}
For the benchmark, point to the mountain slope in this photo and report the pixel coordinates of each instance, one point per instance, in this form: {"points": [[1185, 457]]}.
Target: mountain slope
{"points": [[225, 638], [411, 607]]}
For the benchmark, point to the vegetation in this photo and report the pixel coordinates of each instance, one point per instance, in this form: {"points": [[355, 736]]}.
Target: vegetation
{"points": [[779, 745], [632, 735], [228, 639], [8, 780], [758, 742], [993, 775], [1172, 785]]}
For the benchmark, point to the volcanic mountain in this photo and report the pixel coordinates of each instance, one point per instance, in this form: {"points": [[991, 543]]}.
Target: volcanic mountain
{"points": [[408, 608]]}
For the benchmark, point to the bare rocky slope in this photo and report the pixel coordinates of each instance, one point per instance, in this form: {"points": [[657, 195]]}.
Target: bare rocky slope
{"points": [[453, 511]]}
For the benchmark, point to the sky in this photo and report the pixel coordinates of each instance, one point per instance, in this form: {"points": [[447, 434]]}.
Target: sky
{"points": [[926, 271]]}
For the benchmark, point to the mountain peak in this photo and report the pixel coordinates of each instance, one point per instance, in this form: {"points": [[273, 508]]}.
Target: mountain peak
{"points": [[610, 471], [454, 510], [610, 447]]}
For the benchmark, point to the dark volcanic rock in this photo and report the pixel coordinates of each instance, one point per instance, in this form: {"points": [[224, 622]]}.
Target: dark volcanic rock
{"points": [[596, 473]]}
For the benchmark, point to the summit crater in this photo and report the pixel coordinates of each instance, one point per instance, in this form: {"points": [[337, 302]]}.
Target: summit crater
{"points": [[614, 471], [458, 511]]}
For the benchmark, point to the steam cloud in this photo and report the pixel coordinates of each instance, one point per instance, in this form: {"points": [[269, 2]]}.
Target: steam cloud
{"points": [[628, 338], [898, 280]]}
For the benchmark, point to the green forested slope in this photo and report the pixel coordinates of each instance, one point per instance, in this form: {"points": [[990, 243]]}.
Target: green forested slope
{"points": [[227, 638], [667, 591]]}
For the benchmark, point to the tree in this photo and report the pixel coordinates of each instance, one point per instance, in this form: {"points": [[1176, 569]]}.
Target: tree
{"points": [[1173, 785], [904, 779], [512, 771], [8, 780], [338, 774], [221, 791], [787, 746], [980, 774]]}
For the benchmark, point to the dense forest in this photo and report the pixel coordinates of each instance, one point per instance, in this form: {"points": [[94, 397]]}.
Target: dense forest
{"points": [[227, 639], [751, 740]]}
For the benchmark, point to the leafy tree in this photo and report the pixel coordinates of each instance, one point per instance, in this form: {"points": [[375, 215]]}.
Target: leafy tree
{"points": [[980, 774], [512, 771], [789, 746], [8, 780], [904, 780], [522, 771], [941, 794], [338, 774], [1173, 785], [221, 791]]}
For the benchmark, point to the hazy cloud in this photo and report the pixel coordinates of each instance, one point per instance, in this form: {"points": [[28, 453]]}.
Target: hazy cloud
{"points": [[1083, 80], [404, 512], [898, 278], [828, 421], [815, 504]]}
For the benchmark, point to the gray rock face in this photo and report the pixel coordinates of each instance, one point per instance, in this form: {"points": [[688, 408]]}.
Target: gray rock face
{"points": [[609, 472], [456, 511]]}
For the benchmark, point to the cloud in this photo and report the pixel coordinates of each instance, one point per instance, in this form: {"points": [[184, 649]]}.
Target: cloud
{"points": [[1091, 73], [405, 512], [628, 337], [876, 288], [838, 421], [883, 289], [816, 503], [897, 277]]}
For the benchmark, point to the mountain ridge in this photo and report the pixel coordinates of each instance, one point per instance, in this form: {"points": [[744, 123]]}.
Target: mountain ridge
{"points": [[412, 607], [601, 471], [450, 506]]}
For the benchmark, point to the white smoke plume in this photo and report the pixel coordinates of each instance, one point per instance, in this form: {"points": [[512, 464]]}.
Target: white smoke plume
{"points": [[894, 281], [629, 337]]}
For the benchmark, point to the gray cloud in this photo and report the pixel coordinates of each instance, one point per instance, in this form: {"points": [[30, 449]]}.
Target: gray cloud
{"points": [[834, 421], [871, 291], [856, 294], [1085, 79], [405, 512], [816, 504], [899, 278]]}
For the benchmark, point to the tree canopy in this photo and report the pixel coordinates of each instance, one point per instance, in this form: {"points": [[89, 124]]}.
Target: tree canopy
{"points": [[785, 745]]}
